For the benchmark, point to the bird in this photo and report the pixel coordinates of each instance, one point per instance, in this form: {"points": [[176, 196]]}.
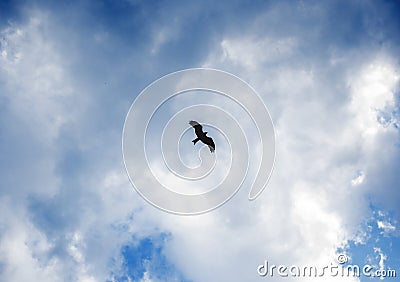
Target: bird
{"points": [[202, 136]]}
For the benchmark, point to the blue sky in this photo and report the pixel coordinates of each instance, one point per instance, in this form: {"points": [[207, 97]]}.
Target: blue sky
{"points": [[328, 72]]}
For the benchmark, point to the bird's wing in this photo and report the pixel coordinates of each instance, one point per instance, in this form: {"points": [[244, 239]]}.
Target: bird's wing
{"points": [[210, 142], [198, 128], [194, 123]]}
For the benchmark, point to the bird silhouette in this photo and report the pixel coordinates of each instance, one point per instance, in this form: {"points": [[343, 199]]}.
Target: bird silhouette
{"points": [[202, 136]]}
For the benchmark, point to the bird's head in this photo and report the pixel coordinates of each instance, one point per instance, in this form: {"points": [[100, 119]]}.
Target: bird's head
{"points": [[205, 133]]}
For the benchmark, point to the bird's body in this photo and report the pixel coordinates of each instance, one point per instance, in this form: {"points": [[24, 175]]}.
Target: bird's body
{"points": [[202, 136]]}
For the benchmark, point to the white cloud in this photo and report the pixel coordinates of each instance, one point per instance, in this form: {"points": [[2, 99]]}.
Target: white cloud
{"points": [[386, 226], [359, 179], [252, 53], [36, 84], [382, 258], [372, 90], [23, 245]]}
